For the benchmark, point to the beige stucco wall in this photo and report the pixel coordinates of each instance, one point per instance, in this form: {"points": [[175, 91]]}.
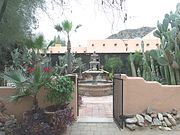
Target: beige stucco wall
{"points": [[110, 46], [140, 94], [63, 49], [25, 104], [120, 46]]}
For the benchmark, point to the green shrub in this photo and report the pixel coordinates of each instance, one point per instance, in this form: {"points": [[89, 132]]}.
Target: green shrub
{"points": [[59, 90]]}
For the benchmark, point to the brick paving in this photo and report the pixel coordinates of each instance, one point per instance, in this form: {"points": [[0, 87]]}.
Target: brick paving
{"points": [[111, 128], [96, 107], [93, 129], [101, 107]]}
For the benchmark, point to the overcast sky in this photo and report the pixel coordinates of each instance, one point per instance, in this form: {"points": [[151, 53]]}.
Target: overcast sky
{"points": [[97, 25]]}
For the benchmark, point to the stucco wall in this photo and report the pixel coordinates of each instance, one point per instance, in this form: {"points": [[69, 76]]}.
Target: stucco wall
{"points": [[140, 94], [120, 46], [109, 46], [25, 104]]}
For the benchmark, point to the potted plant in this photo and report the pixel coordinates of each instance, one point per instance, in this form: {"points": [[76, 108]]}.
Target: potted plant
{"points": [[59, 93]]}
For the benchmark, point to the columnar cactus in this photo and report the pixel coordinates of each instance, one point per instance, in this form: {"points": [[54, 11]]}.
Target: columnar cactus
{"points": [[133, 69]]}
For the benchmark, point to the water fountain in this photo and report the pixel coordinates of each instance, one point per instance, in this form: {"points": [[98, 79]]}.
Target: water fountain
{"points": [[95, 80]]}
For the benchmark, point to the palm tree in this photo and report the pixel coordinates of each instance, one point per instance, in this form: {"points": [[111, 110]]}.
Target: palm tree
{"points": [[66, 28]]}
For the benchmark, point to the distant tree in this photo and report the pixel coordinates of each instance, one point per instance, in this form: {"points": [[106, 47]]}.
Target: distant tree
{"points": [[113, 64], [17, 20], [63, 42], [58, 40]]}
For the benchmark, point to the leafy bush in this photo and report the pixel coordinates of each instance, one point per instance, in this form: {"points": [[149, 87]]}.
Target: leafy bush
{"points": [[113, 64], [59, 90], [34, 123], [62, 118]]}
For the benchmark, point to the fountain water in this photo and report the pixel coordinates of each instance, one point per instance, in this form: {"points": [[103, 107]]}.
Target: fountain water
{"points": [[95, 82]]}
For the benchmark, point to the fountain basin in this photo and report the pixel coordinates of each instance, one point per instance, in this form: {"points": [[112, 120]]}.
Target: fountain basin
{"points": [[101, 88]]}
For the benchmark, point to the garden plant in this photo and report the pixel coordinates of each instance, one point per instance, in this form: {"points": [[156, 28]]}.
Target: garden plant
{"points": [[31, 72]]}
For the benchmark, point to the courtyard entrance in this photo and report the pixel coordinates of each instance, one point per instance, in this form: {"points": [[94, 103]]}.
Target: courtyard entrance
{"points": [[99, 98], [106, 108]]}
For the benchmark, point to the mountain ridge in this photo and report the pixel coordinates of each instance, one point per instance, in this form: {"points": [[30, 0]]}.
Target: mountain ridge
{"points": [[132, 33]]}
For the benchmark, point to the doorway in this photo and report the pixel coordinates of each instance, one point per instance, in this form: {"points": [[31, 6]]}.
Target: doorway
{"points": [[95, 108]]}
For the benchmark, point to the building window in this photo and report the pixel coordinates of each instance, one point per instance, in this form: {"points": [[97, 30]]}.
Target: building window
{"points": [[84, 51], [126, 48], [92, 44], [157, 44], [147, 44], [137, 44], [115, 44], [103, 44]]}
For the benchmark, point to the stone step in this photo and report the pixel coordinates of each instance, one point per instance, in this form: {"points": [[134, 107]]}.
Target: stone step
{"points": [[95, 119]]}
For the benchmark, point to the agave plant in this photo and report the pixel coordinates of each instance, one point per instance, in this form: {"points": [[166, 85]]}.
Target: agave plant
{"points": [[77, 64]]}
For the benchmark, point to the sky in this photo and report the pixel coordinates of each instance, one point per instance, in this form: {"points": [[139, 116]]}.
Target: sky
{"points": [[97, 25]]}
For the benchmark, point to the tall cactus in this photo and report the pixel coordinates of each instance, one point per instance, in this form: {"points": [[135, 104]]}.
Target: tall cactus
{"points": [[146, 66], [169, 34], [133, 69], [163, 64]]}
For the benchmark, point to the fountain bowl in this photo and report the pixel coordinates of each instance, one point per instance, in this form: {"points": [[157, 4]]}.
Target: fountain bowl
{"points": [[100, 88]]}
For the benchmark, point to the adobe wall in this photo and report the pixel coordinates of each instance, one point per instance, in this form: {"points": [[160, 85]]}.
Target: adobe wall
{"points": [[109, 46], [25, 104], [140, 94]]}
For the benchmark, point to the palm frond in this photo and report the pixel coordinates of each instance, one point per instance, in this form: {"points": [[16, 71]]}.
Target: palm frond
{"points": [[67, 26], [58, 27], [39, 42], [50, 44], [37, 74], [29, 43], [77, 27], [15, 76]]}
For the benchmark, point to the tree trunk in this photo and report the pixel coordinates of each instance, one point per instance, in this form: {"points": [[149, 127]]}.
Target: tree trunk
{"points": [[69, 68], [35, 106]]}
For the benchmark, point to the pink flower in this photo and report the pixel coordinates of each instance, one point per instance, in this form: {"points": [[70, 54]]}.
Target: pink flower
{"points": [[46, 69], [30, 69]]}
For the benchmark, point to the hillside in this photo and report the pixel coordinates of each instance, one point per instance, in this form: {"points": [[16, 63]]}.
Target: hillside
{"points": [[132, 33]]}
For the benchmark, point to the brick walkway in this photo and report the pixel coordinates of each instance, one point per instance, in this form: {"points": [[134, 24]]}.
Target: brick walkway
{"points": [[96, 107], [93, 129]]}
